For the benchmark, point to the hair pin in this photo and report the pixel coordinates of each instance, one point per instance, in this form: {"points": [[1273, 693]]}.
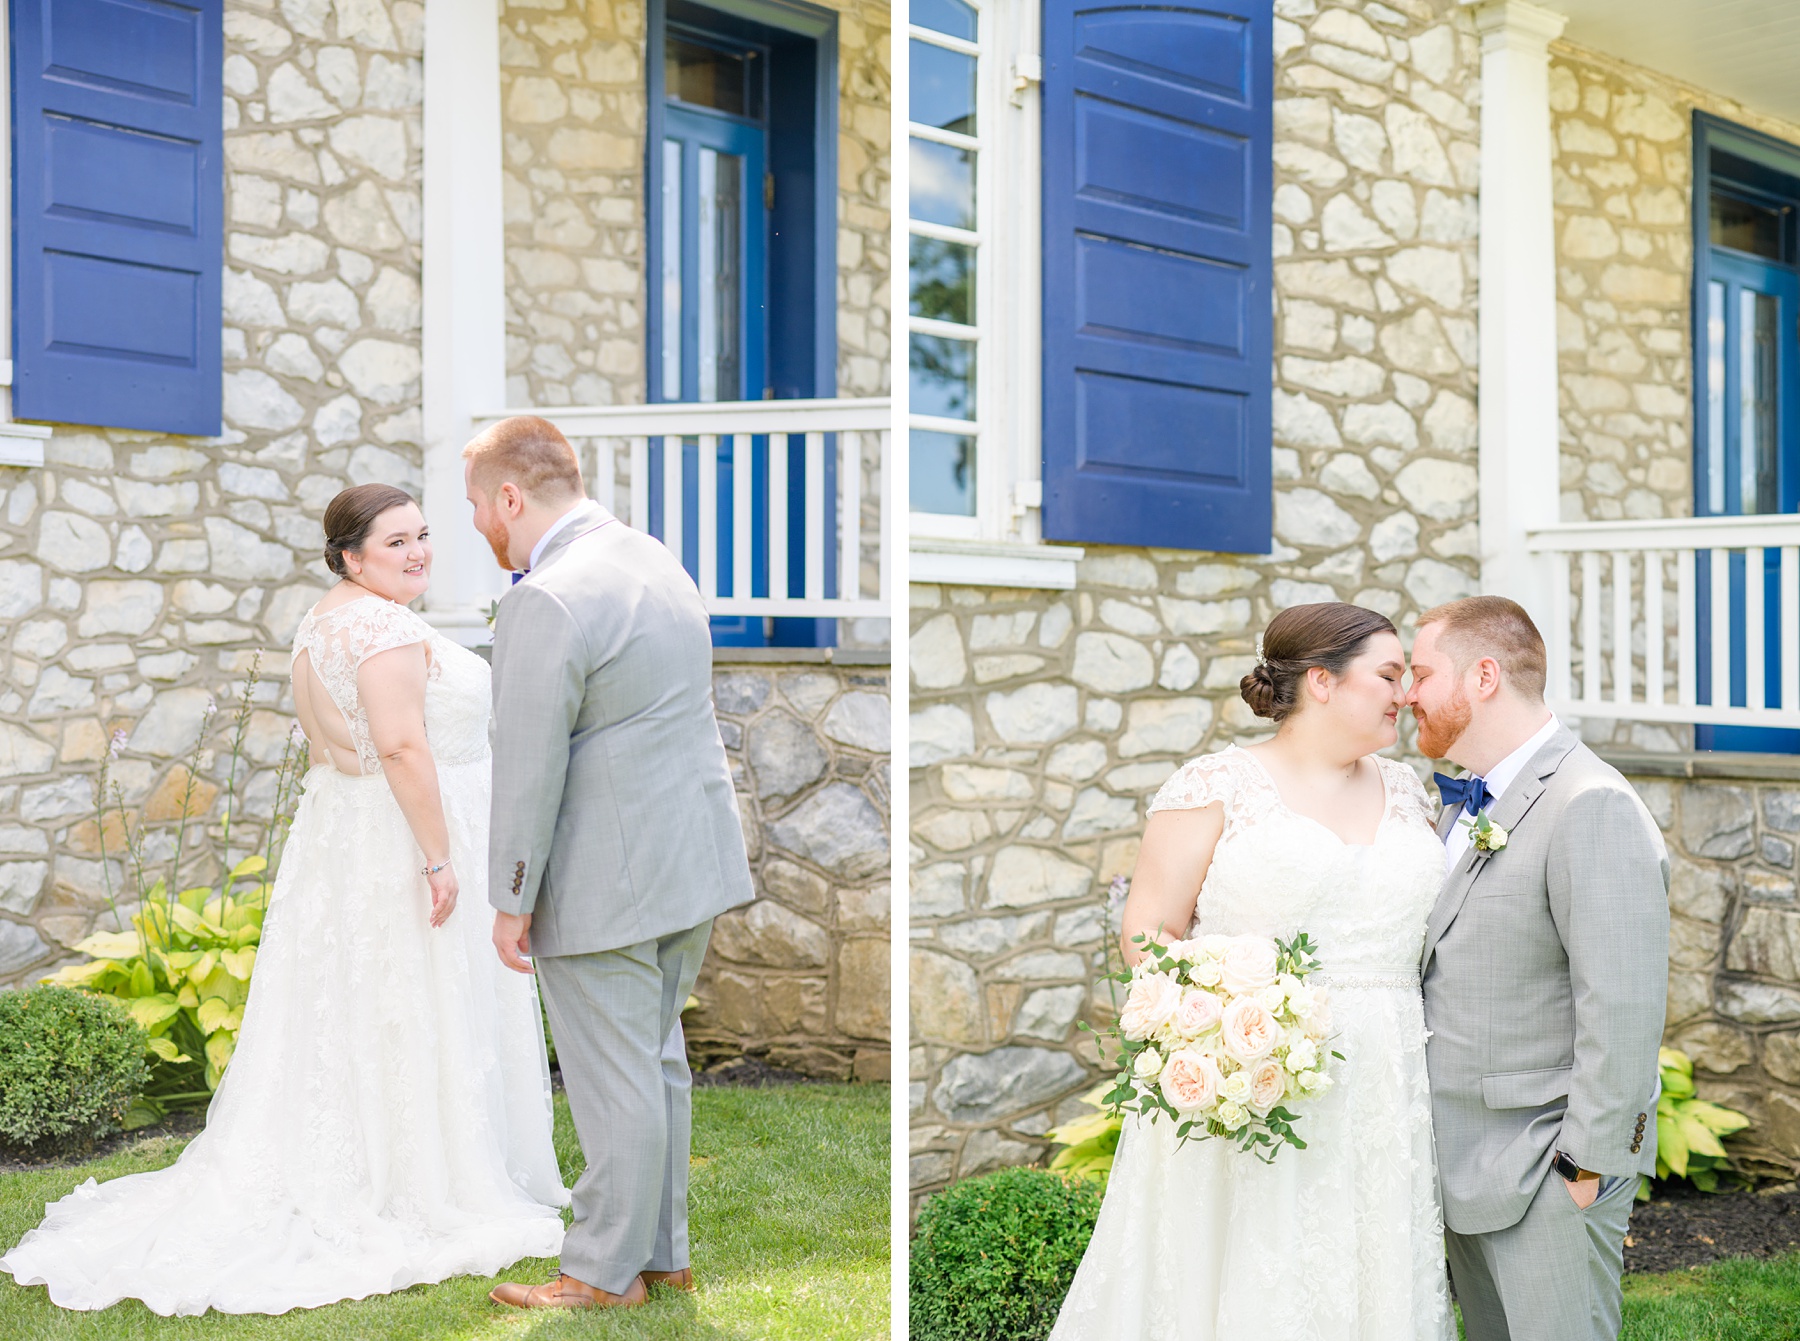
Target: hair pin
{"points": [[1261, 660]]}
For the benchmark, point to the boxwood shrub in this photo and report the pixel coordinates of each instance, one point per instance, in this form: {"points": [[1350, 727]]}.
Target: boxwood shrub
{"points": [[70, 1066], [994, 1255]]}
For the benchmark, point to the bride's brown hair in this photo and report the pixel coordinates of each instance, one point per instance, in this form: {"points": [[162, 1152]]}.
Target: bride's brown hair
{"points": [[351, 516], [1329, 634]]}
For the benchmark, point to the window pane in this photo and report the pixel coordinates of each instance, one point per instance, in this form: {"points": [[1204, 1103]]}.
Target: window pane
{"points": [[1757, 356], [942, 275], [1715, 398], [671, 270], [1744, 226], [942, 473], [943, 377], [944, 16], [721, 225], [706, 76], [943, 184], [943, 88]]}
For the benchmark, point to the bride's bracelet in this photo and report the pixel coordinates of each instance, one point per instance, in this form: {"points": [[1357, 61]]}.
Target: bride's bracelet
{"points": [[430, 871]]}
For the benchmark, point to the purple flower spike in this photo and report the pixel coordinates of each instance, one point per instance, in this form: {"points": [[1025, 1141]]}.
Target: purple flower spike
{"points": [[119, 739]]}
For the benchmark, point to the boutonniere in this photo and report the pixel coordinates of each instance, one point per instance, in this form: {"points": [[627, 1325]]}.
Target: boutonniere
{"points": [[1484, 834], [493, 612]]}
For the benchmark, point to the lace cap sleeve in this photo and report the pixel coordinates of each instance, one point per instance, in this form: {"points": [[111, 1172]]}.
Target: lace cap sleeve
{"points": [[1199, 782], [368, 627], [1404, 787]]}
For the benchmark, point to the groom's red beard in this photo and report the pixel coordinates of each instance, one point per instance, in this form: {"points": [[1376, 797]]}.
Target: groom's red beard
{"points": [[497, 539], [1439, 732]]}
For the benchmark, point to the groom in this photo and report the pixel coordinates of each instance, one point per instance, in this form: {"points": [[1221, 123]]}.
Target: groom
{"points": [[1545, 966], [615, 841]]}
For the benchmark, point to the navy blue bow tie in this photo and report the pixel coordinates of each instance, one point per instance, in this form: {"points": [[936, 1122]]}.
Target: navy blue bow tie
{"points": [[1471, 793]]}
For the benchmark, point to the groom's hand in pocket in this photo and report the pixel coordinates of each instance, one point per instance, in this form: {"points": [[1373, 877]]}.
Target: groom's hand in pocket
{"points": [[1583, 1189], [512, 938]]}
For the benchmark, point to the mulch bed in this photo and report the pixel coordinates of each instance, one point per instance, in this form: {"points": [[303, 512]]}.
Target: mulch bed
{"points": [[179, 1124], [748, 1072], [1685, 1227]]}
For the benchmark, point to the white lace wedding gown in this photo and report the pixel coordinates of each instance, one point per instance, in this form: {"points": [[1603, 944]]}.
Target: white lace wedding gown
{"points": [[386, 1118], [1342, 1241]]}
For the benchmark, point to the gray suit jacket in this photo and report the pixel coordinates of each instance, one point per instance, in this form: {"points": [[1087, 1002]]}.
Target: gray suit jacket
{"points": [[614, 817], [1546, 964]]}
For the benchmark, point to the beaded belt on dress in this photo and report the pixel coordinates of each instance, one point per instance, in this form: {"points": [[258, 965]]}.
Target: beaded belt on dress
{"points": [[1369, 975]]}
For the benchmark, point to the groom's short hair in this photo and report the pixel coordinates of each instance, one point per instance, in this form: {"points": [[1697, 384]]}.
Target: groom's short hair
{"points": [[529, 452], [1492, 626]]}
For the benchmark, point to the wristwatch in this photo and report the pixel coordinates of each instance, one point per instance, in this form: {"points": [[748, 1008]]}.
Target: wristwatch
{"points": [[1566, 1167]]}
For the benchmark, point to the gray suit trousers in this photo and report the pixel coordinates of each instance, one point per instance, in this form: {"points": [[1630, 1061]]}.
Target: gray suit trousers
{"points": [[1553, 1276], [616, 1018]]}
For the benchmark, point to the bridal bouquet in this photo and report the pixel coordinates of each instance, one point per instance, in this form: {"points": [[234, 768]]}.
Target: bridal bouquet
{"points": [[1218, 1033]]}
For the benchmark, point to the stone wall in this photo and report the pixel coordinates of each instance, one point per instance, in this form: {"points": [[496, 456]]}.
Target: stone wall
{"points": [[800, 977], [138, 572], [1622, 179], [1042, 722], [573, 106], [1732, 827]]}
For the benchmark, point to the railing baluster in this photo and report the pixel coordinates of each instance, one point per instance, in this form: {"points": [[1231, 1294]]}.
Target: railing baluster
{"points": [[1687, 631], [709, 516], [1754, 646], [742, 480], [850, 516], [1561, 634], [1590, 625], [604, 470], [640, 485], [815, 516], [1621, 602], [1790, 628], [887, 495], [778, 515], [674, 449], [1654, 633], [1719, 561]]}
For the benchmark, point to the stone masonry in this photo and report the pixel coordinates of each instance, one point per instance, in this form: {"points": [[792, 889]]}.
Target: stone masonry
{"points": [[800, 977], [1043, 722]]}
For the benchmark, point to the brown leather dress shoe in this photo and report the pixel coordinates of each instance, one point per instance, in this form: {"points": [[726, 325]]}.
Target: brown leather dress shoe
{"points": [[675, 1280], [567, 1292]]}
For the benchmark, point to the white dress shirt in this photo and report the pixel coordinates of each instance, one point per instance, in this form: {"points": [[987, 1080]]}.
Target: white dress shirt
{"points": [[544, 539], [1502, 776]]}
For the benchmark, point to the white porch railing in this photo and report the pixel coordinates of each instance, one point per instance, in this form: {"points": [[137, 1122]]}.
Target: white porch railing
{"points": [[1626, 634], [842, 563]]}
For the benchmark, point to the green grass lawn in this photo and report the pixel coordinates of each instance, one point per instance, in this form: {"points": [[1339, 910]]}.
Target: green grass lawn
{"points": [[789, 1226], [1743, 1299]]}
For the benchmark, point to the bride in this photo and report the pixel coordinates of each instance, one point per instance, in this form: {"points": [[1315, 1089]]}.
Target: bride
{"points": [[385, 1120], [1310, 831]]}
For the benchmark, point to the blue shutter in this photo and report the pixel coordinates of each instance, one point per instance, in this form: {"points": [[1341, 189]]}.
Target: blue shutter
{"points": [[1157, 270], [118, 212]]}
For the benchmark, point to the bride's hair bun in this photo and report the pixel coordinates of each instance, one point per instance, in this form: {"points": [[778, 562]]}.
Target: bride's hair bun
{"points": [[1258, 689], [1330, 634]]}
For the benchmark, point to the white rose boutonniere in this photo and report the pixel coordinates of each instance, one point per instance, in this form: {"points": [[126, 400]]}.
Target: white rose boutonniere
{"points": [[1484, 834]]}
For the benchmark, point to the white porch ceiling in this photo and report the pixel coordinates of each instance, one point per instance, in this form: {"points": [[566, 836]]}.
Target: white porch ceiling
{"points": [[1748, 50]]}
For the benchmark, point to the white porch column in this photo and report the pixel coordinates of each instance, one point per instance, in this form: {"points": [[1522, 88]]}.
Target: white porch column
{"points": [[1520, 480], [464, 341]]}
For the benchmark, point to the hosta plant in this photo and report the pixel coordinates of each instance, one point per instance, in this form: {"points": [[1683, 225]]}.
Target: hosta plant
{"points": [[1688, 1131], [182, 962], [1088, 1142]]}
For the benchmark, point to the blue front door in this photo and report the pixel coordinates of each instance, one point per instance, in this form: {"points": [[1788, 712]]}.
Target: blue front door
{"points": [[1748, 464]]}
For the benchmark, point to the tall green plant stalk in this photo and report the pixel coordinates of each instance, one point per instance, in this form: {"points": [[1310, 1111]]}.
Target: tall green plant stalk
{"points": [[239, 728]]}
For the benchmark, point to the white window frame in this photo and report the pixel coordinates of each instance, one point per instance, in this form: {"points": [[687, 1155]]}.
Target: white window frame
{"points": [[1002, 545]]}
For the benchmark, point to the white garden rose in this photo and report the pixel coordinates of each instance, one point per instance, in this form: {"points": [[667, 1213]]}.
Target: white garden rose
{"points": [[1205, 972], [1248, 964], [1274, 996], [1236, 1088], [1153, 999], [1199, 1011], [1318, 1019], [1249, 1031], [1301, 1000], [1187, 952], [1267, 1084], [1148, 1065], [1215, 945], [1232, 1115], [1302, 1056], [1190, 1081]]}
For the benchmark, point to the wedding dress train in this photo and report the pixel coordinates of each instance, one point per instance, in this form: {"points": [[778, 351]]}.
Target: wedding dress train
{"points": [[1341, 1241], [386, 1119]]}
